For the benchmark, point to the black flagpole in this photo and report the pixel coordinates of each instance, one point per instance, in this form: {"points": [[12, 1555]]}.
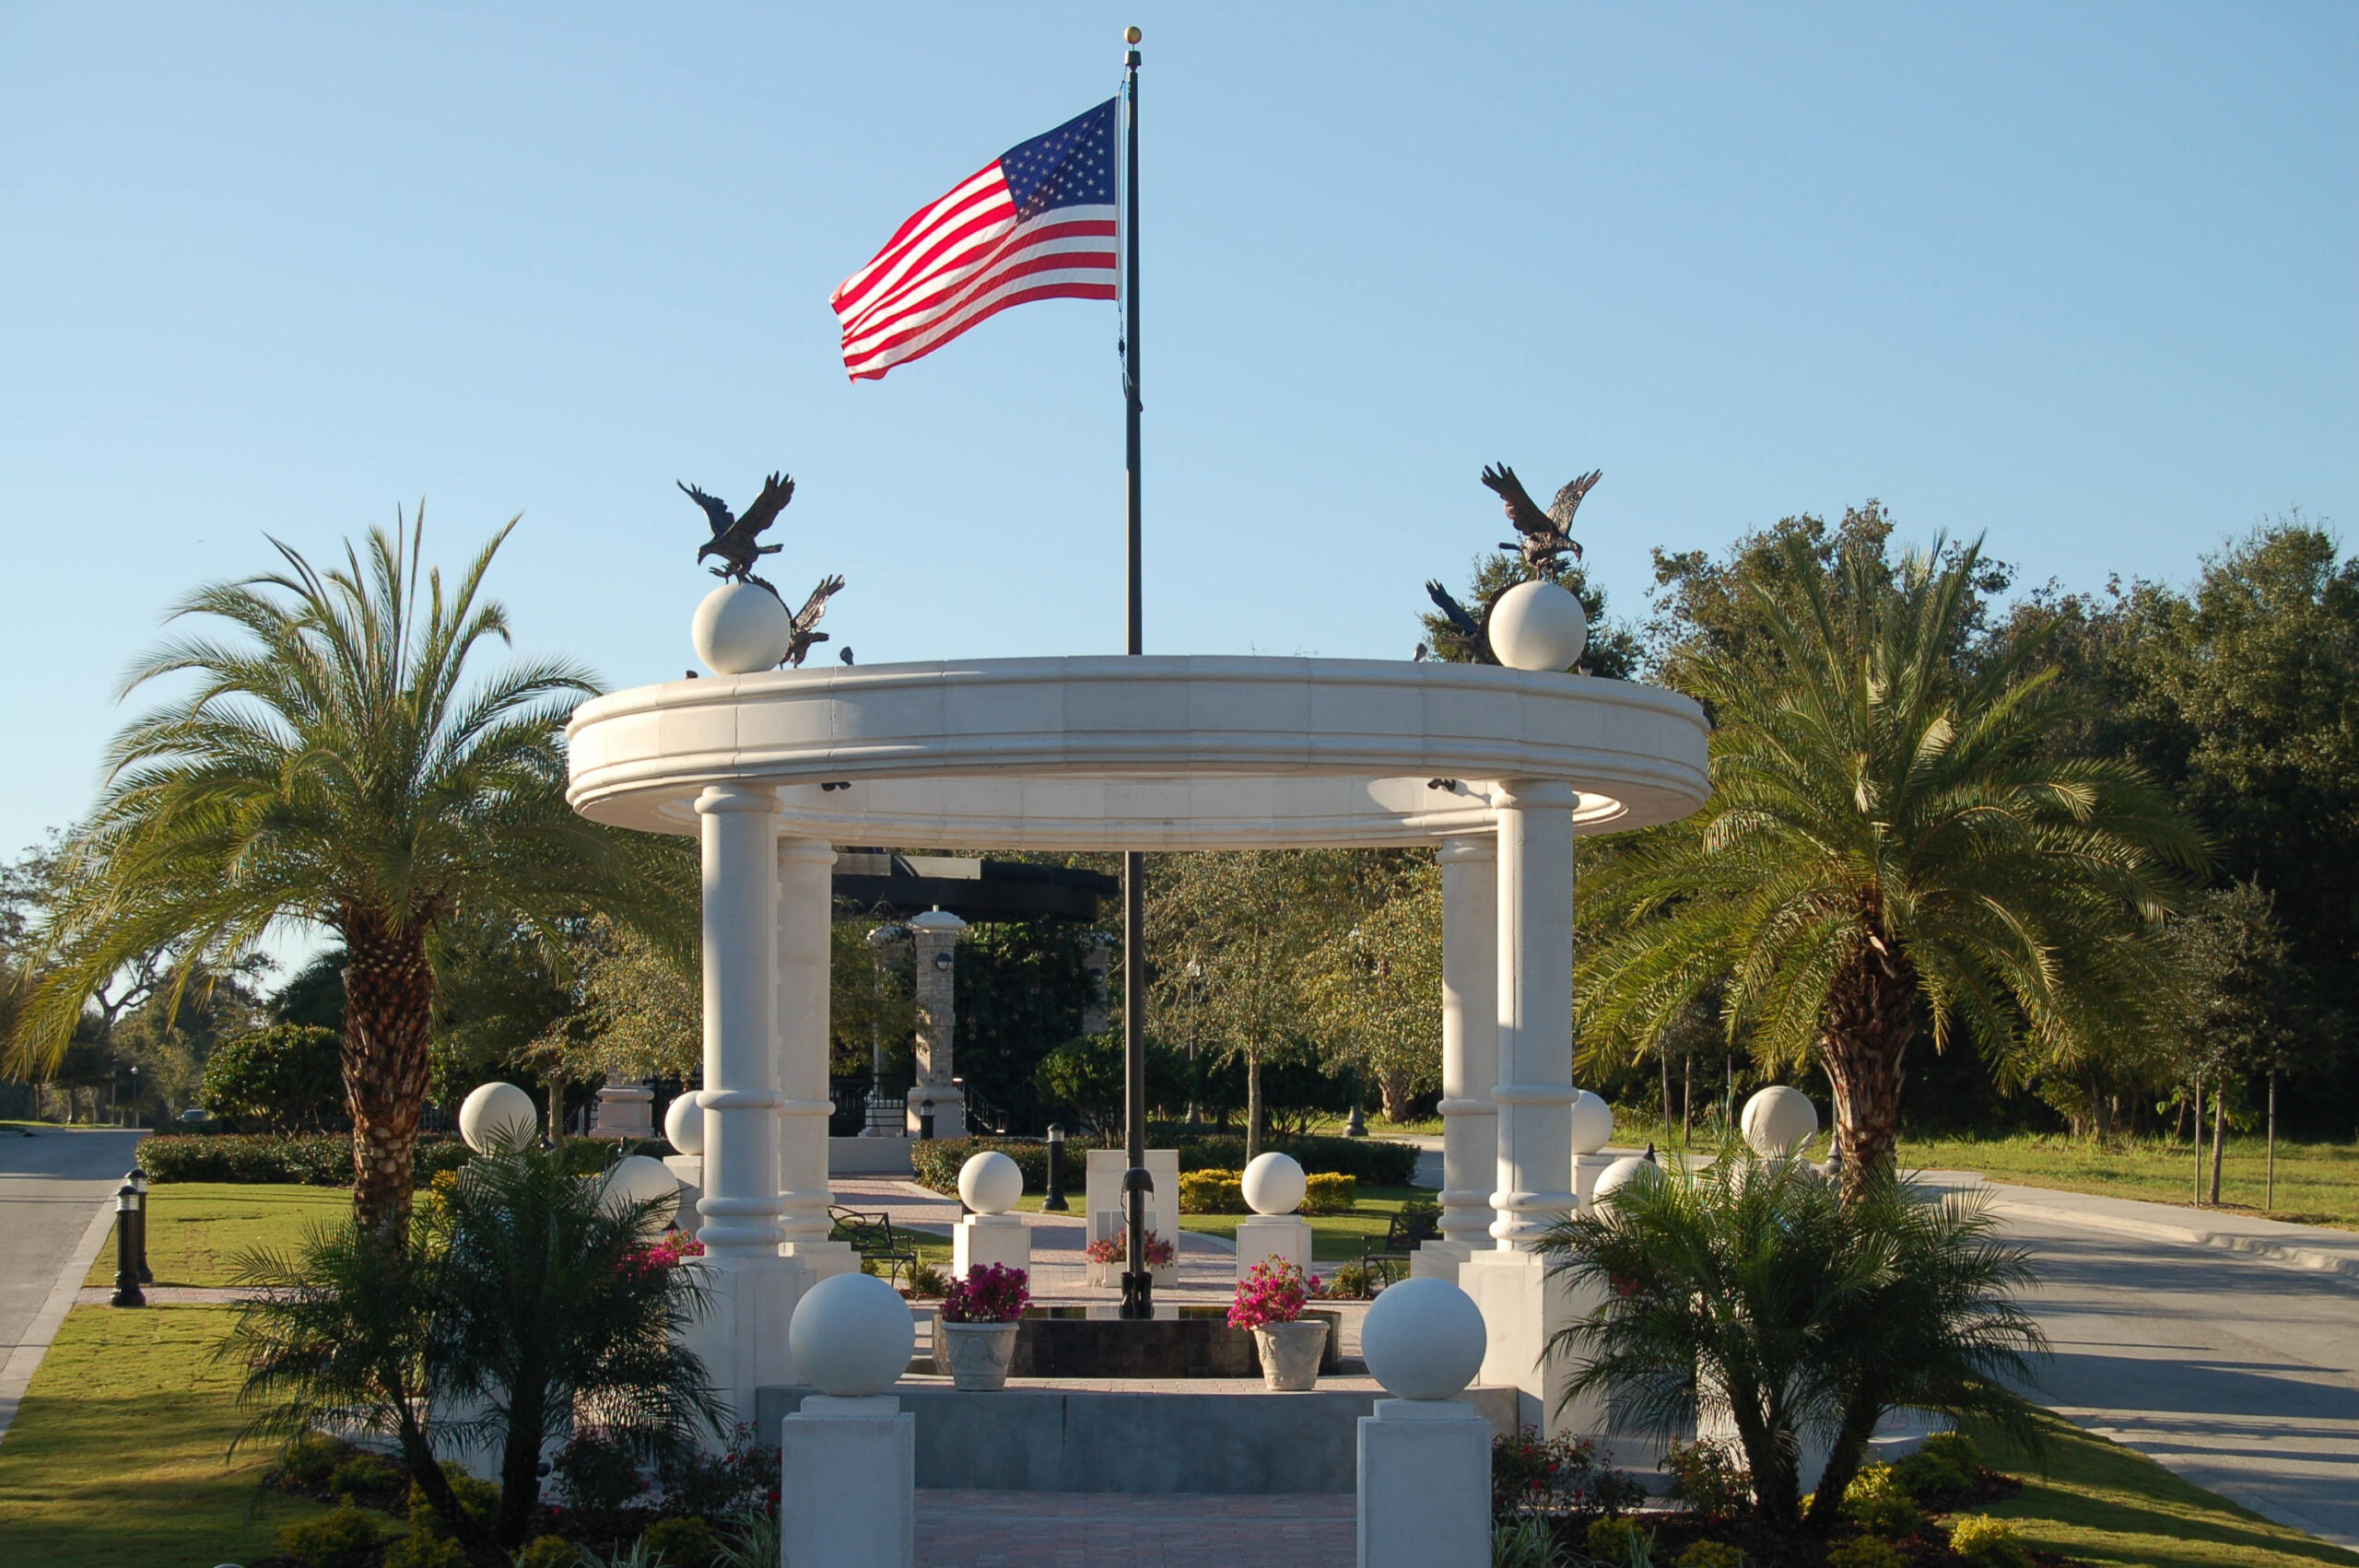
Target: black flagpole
{"points": [[1138, 1284]]}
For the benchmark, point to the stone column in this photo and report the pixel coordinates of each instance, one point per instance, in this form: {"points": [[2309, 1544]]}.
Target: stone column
{"points": [[805, 920], [1469, 1052], [1535, 1002], [743, 1338], [935, 937]]}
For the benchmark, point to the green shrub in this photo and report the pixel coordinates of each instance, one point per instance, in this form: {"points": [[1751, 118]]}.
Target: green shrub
{"points": [[329, 1539], [548, 1551], [1213, 1192], [419, 1550], [1708, 1476], [597, 1473], [1958, 1449], [1988, 1543], [1876, 1500], [1524, 1543], [304, 1159], [307, 1461], [1620, 1541], [479, 1500], [1923, 1475], [365, 1473], [1865, 1551], [928, 1283], [682, 1543], [1709, 1554], [1371, 1160], [935, 1162], [1350, 1281], [286, 1076], [1329, 1192]]}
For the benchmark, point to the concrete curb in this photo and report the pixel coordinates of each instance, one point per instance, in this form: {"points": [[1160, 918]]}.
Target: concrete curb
{"points": [[2288, 1255], [25, 1360]]}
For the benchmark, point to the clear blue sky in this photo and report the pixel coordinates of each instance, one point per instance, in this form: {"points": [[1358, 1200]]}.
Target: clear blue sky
{"points": [[2079, 277]]}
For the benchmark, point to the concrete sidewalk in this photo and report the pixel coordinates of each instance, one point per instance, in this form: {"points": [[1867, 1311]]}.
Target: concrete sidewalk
{"points": [[2315, 1248], [56, 1210]]}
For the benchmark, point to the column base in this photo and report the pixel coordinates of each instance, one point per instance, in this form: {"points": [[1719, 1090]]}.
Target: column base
{"points": [[949, 1111], [823, 1258], [1425, 1484], [1265, 1236], [1438, 1259], [848, 1479], [982, 1239], [741, 1338], [1522, 1310]]}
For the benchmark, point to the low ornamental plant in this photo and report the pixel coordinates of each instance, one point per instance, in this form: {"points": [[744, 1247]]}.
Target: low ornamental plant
{"points": [[992, 1293], [1116, 1249], [1534, 1476], [1274, 1292], [669, 1251]]}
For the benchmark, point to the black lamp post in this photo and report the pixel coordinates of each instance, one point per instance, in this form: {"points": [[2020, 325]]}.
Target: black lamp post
{"points": [[1357, 1126], [137, 1181], [1055, 1203], [127, 1244]]}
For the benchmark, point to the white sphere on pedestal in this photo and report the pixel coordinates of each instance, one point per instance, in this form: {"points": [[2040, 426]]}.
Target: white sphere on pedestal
{"points": [[497, 1116], [1779, 1120], [740, 629], [1423, 1339], [990, 1183], [1274, 1184], [683, 1125], [1592, 1123], [1538, 626], [1621, 1174], [640, 1178], [851, 1335]]}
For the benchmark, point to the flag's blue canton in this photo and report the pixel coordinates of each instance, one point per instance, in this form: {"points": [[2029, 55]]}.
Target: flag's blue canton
{"points": [[1072, 166]]}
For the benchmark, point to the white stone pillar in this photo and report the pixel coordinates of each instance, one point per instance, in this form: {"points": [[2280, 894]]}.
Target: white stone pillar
{"points": [[934, 935], [741, 1338], [1535, 1008], [1469, 1052], [805, 927]]}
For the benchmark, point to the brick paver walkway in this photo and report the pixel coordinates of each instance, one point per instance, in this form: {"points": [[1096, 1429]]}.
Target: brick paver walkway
{"points": [[1097, 1530]]}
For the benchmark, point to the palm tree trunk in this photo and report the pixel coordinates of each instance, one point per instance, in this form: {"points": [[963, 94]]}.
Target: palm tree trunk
{"points": [[1870, 1017], [520, 1458], [388, 1001]]}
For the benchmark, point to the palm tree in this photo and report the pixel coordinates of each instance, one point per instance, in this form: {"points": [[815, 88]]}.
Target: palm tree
{"points": [[332, 765], [1887, 840], [1750, 1292]]}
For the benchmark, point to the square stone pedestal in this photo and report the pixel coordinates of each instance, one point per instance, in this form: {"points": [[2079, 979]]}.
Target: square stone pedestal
{"points": [[847, 1485], [1424, 1483], [740, 1337], [690, 1169], [1522, 1309], [1003, 1239], [949, 1111], [1265, 1236]]}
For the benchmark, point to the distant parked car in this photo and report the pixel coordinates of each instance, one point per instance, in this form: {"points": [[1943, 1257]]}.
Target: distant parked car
{"points": [[197, 1113]]}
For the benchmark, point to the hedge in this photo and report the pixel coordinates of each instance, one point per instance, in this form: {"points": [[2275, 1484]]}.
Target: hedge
{"points": [[1223, 1193], [935, 1162], [325, 1159], [1370, 1160]]}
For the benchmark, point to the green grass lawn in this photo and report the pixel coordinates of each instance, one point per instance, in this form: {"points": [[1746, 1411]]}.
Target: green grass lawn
{"points": [[1334, 1238], [116, 1457], [2106, 1505], [194, 1229], [2318, 1184]]}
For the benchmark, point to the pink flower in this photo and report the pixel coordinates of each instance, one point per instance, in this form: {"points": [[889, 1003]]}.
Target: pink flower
{"points": [[1273, 1292], [992, 1293]]}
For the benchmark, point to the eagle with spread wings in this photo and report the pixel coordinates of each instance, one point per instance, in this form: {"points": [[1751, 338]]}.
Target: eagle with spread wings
{"points": [[1546, 535], [733, 538], [802, 637]]}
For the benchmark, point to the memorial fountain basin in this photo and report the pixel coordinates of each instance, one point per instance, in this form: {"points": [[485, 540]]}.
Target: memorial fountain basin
{"points": [[1178, 1341]]}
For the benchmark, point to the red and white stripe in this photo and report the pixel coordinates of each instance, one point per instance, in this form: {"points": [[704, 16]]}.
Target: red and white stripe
{"points": [[962, 259]]}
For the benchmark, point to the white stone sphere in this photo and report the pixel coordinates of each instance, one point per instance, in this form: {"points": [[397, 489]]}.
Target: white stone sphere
{"points": [[1538, 626], [851, 1335], [1592, 1123], [1274, 1184], [497, 1113], [640, 1178], [1423, 1339], [990, 1183], [740, 629], [1779, 1120], [1619, 1174], [683, 1125]]}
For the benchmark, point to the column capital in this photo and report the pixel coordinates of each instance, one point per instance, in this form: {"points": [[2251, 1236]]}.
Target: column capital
{"points": [[1534, 795], [737, 798], [1469, 849]]}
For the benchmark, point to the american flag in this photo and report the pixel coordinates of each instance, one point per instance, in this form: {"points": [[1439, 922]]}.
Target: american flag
{"points": [[1037, 223]]}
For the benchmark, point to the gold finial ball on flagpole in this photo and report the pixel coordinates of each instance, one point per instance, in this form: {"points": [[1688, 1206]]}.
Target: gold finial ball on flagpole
{"points": [[1132, 35]]}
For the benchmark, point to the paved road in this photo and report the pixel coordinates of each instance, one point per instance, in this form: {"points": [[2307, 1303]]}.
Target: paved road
{"points": [[53, 1184], [2240, 1374]]}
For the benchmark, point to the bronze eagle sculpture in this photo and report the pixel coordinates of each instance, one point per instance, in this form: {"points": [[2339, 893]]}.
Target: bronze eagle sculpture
{"points": [[1544, 534], [734, 537], [1467, 637], [800, 639]]}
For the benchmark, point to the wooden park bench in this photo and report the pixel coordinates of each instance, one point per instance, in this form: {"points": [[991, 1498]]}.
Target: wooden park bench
{"points": [[870, 1235]]}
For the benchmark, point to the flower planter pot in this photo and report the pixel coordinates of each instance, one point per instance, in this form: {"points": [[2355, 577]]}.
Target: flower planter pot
{"points": [[978, 1354], [1290, 1354]]}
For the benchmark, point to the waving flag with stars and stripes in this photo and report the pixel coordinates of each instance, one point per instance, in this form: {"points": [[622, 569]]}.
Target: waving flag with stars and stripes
{"points": [[1037, 223]]}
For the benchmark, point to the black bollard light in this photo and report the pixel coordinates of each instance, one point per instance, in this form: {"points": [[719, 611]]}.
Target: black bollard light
{"points": [[126, 1243], [1055, 1203], [138, 1180], [925, 1118]]}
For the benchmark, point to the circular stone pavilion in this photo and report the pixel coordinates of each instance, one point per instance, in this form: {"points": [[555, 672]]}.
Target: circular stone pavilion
{"points": [[1498, 770]]}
